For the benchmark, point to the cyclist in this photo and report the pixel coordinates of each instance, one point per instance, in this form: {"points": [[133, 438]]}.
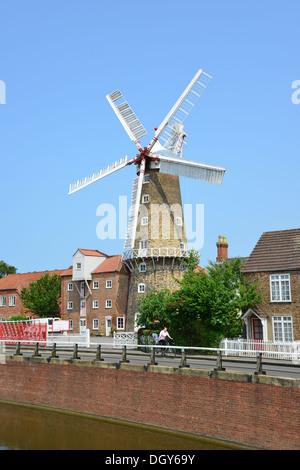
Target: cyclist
{"points": [[162, 336]]}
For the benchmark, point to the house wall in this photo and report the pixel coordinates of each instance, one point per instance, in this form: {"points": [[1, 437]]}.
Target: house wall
{"points": [[88, 264], [279, 308], [7, 311], [117, 294]]}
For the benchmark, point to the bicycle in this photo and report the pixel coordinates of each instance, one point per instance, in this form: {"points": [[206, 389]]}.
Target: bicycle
{"points": [[165, 351]]}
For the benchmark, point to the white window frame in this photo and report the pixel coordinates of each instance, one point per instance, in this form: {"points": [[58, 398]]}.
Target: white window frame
{"points": [[108, 303], [277, 291], [142, 267], [95, 284], [282, 328], [147, 178], [144, 221], [70, 305], [182, 245], [143, 244], [145, 198], [12, 301], [70, 286], [95, 323], [120, 323], [71, 324], [179, 221], [109, 284], [141, 288], [3, 301], [78, 266], [95, 304]]}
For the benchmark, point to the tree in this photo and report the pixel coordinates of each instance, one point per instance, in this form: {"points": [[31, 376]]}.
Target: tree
{"points": [[207, 306], [153, 310], [6, 269], [42, 296]]}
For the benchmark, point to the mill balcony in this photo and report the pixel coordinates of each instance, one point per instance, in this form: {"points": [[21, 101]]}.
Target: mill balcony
{"points": [[170, 252]]}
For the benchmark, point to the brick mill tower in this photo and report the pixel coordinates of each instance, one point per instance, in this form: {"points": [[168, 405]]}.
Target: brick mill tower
{"points": [[156, 240]]}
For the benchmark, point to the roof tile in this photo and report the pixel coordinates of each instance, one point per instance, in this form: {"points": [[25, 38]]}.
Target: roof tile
{"points": [[21, 280], [275, 251]]}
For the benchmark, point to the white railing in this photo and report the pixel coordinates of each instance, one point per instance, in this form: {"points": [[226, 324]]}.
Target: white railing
{"points": [[125, 338], [155, 252], [69, 339], [249, 347]]}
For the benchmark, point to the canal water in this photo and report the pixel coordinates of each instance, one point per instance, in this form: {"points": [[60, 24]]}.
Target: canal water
{"points": [[26, 428]]}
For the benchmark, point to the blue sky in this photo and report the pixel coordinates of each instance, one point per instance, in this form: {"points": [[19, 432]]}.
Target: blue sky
{"points": [[59, 59]]}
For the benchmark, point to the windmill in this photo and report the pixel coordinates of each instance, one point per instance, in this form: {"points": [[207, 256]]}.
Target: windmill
{"points": [[151, 252]]}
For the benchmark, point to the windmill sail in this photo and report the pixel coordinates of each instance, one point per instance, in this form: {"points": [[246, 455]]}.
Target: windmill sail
{"points": [[129, 238], [83, 182], [182, 107], [134, 208], [128, 119], [191, 169]]}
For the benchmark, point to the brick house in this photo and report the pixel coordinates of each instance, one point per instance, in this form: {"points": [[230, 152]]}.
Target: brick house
{"points": [[11, 286], [95, 292], [275, 265]]}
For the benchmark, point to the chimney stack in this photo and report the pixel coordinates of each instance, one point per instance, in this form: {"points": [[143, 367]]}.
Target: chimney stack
{"points": [[222, 246]]}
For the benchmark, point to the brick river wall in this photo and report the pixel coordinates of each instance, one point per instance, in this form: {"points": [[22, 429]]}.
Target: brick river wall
{"points": [[249, 410]]}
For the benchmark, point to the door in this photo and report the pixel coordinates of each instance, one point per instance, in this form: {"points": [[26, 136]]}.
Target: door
{"points": [[257, 329], [82, 308], [82, 327], [107, 326], [82, 289]]}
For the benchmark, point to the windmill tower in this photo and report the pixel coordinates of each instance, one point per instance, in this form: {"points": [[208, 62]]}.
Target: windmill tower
{"points": [[156, 240]]}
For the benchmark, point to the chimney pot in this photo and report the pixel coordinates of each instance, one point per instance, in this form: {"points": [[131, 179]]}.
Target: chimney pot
{"points": [[222, 246]]}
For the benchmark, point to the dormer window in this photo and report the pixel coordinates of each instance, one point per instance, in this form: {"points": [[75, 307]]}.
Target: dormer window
{"points": [[78, 265]]}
